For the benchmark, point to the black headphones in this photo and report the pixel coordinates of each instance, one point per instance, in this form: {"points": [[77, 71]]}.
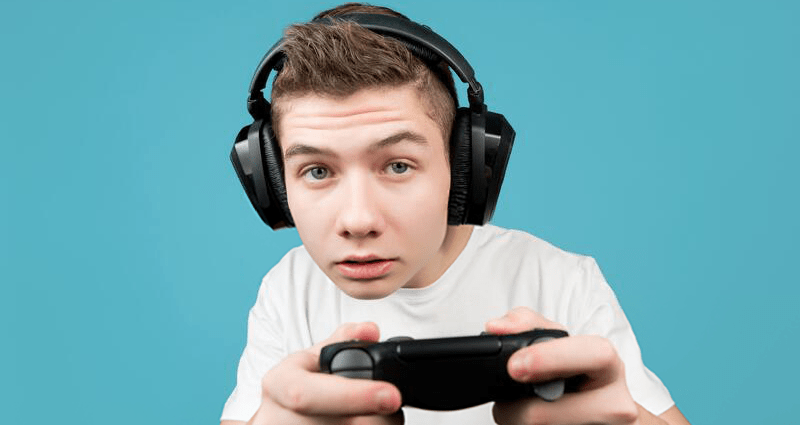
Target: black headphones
{"points": [[480, 142]]}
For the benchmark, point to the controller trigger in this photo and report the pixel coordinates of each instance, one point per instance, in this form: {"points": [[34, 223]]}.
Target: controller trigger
{"points": [[399, 339]]}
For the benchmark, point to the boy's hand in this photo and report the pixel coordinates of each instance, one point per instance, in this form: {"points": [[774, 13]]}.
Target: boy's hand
{"points": [[294, 392], [602, 398]]}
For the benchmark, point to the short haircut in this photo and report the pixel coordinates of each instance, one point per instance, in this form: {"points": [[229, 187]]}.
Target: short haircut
{"points": [[339, 59]]}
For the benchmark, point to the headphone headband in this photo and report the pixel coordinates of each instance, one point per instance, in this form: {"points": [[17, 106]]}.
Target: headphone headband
{"points": [[386, 25]]}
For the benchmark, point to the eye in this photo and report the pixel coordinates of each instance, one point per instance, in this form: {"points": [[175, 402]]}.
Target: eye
{"points": [[398, 167], [315, 173]]}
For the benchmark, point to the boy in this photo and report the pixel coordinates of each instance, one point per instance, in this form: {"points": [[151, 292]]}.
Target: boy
{"points": [[365, 150]]}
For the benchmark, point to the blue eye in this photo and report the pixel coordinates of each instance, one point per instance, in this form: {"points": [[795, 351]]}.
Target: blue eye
{"points": [[316, 173], [398, 167]]}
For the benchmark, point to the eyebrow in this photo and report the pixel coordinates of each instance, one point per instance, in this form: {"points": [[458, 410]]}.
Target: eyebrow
{"points": [[298, 149]]}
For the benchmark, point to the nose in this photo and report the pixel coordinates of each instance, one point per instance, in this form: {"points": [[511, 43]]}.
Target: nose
{"points": [[360, 216]]}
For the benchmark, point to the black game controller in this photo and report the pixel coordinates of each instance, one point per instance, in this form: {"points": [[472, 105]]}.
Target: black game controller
{"points": [[443, 373]]}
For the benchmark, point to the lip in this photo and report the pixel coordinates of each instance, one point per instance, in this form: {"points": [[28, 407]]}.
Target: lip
{"points": [[366, 267], [361, 258]]}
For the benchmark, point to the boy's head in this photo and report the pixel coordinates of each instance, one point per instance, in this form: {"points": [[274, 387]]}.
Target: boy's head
{"points": [[359, 150], [363, 126], [336, 60]]}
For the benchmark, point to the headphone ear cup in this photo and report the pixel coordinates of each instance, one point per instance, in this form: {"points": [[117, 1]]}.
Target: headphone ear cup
{"points": [[460, 167], [498, 142], [258, 180], [273, 170]]}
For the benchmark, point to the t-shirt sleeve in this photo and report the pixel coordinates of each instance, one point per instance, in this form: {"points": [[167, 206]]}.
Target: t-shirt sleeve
{"points": [[264, 350], [602, 315]]}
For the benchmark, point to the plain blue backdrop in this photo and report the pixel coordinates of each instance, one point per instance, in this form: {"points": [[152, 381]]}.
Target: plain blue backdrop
{"points": [[659, 137]]}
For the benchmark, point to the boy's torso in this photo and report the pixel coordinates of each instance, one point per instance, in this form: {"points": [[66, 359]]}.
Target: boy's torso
{"points": [[498, 270]]}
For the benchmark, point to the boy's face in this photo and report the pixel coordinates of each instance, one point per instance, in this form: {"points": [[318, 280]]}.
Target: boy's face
{"points": [[367, 180]]}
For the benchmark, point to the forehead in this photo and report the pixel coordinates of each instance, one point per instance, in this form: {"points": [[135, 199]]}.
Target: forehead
{"points": [[368, 114]]}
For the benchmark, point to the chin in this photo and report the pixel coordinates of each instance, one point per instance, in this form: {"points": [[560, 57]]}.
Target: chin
{"points": [[366, 290]]}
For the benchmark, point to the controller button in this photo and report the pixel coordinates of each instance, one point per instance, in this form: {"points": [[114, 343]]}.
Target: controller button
{"points": [[550, 391], [357, 374], [399, 339], [351, 360], [542, 339]]}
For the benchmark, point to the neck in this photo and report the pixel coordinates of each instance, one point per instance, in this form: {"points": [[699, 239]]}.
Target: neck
{"points": [[454, 242]]}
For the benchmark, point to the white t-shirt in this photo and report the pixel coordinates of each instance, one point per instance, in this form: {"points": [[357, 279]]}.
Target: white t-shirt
{"points": [[499, 269]]}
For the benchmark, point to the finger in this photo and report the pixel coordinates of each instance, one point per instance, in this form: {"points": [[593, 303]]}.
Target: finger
{"points": [[365, 331], [271, 413], [520, 319], [588, 355], [607, 406], [294, 386]]}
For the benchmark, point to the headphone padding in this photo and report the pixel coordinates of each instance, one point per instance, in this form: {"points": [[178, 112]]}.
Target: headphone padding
{"points": [[273, 169], [460, 167]]}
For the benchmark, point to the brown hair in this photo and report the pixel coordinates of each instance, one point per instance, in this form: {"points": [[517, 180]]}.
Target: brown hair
{"points": [[339, 59]]}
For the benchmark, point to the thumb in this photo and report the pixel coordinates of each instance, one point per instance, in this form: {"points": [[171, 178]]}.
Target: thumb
{"points": [[520, 319]]}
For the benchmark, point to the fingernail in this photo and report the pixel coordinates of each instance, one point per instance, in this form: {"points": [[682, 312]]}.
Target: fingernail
{"points": [[519, 367], [385, 401]]}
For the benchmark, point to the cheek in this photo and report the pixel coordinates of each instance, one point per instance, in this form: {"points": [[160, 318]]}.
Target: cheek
{"points": [[424, 208], [438, 190], [309, 219], [302, 203]]}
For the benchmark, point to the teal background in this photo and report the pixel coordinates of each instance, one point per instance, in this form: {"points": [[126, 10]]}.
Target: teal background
{"points": [[659, 137]]}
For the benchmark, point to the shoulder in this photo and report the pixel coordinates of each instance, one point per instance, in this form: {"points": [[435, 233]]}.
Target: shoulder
{"points": [[518, 245], [295, 261], [555, 282], [294, 287], [295, 274]]}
